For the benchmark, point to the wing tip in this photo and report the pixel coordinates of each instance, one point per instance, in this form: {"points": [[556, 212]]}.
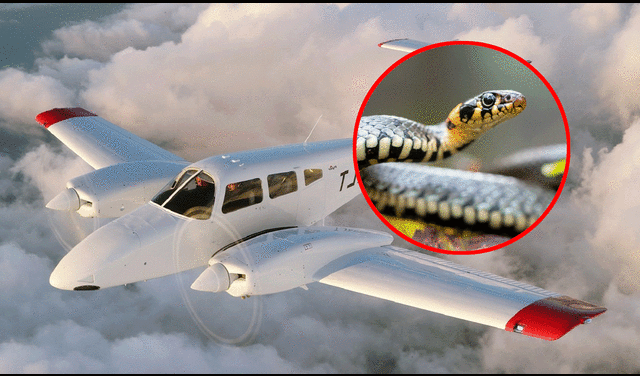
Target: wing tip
{"points": [[55, 115], [552, 318], [390, 41]]}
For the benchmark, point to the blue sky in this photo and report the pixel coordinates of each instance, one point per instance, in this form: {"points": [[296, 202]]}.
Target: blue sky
{"points": [[23, 27]]}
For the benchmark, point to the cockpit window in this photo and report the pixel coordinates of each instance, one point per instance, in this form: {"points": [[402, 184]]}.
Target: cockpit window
{"points": [[242, 194], [311, 175], [171, 187], [191, 195]]}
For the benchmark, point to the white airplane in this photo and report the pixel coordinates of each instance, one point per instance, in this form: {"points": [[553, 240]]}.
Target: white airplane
{"points": [[248, 217]]}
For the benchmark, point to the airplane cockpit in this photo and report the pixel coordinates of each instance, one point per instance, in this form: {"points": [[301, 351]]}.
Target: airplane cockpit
{"points": [[190, 194]]}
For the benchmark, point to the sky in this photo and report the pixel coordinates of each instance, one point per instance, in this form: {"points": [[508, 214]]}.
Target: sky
{"points": [[201, 80]]}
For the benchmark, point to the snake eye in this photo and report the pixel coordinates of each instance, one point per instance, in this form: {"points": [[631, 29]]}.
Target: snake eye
{"points": [[488, 100]]}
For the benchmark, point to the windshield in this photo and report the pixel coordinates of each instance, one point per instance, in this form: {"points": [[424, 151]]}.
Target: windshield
{"points": [[191, 194]]}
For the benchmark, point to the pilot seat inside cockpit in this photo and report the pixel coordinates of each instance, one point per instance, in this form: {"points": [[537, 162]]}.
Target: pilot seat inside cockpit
{"points": [[191, 195]]}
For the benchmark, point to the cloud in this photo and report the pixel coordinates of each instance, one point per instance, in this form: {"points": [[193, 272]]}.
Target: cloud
{"points": [[205, 79], [473, 15], [223, 81], [66, 347], [596, 18], [518, 36], [22, 95], [610, 188], [49, 170], [139, 26], [620, 77], [587, 247]]}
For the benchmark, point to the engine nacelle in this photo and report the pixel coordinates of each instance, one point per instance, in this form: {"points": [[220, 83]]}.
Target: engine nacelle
{"points": [[285, 259], [115, 190], [215, 278]]}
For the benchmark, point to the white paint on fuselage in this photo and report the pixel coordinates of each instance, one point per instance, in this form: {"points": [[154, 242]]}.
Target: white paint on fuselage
{"points": [[336, 187], [153, 241]]}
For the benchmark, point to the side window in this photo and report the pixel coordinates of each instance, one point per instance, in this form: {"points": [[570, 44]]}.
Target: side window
{"points": [[311, 175], [242, 194], [281, 184]]}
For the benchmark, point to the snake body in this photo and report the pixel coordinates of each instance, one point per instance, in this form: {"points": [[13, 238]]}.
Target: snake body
{"points": [[486, 203]]}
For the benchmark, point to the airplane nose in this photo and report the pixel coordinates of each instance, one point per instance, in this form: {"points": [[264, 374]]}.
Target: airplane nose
{"points": [[62, 279], [79, 268], [135, 247], [59, 280]]}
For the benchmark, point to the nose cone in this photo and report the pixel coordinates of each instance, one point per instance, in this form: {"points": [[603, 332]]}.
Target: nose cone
{"points": [[79, 268], [66, 200], [134, 247]]}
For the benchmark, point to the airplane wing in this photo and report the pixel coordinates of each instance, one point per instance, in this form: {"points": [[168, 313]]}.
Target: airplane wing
{"points": [[403, 44], [407, 45], [363, 261], [441, 286], [129, 170], [99, 142]]}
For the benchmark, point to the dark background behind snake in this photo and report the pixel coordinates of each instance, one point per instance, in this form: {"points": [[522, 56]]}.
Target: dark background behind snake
{"points": [[426, 87]]}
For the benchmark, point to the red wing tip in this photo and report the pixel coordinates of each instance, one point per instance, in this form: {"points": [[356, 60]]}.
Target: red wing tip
{"points": [[389, 41], [551, 318], [55, 115]]}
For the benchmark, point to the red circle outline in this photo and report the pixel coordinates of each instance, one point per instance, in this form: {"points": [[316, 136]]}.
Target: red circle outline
{"points": [[479, 44]]}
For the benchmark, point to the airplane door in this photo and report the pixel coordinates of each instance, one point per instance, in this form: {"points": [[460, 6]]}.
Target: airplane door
{"points": [[311, 206]]}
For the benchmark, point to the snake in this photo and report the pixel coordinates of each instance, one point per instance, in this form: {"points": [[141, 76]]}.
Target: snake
{"points": [[481, 202]]}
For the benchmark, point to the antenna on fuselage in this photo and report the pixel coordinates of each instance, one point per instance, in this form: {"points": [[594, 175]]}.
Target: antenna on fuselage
{"points": [[314, 127]]}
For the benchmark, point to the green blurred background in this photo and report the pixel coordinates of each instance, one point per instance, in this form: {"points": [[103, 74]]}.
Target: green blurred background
{"points": [[427, 86]]}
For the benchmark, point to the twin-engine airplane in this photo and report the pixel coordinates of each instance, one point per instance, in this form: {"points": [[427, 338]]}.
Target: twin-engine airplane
{"points": [[249, 216]]}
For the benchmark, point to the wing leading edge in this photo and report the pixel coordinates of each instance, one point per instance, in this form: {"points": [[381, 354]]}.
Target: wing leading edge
{"points": [[437, 285], [407, 45], [99, 142], [403, 44], [128, 169], [363, 261]]}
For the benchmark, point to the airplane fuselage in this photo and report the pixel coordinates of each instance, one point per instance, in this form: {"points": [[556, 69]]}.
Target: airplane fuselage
{"points": [[211, 205]]}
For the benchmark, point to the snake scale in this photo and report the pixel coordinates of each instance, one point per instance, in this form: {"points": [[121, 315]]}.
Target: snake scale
{"points": [[482, 202]]}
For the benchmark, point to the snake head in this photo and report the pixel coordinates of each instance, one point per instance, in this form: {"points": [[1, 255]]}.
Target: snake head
{"points": [[485, 111]]}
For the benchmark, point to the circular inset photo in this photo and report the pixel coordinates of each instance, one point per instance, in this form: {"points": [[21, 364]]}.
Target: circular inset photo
{"points": [[461, 147]]}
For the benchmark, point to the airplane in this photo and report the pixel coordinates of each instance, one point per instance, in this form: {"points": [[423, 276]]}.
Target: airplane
{"points": [[251, 219]]}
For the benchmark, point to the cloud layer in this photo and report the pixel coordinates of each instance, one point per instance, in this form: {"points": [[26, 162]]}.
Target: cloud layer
{"points": [[201, 80]]}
